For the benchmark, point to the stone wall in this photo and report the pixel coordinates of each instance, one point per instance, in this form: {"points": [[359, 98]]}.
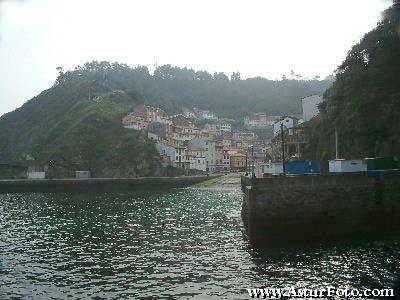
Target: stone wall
{"points": [[290, 209], [100, 184]]}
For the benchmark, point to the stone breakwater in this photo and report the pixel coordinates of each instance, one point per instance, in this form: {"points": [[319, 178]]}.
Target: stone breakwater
{"points": [[304, 208], [99, 184]]}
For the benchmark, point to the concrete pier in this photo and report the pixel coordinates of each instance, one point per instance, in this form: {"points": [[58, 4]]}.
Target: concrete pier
{"points": [[99, 184], [298, 209]]}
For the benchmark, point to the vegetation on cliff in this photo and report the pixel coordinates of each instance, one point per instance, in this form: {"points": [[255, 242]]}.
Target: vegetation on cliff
{"points": [[363, 104], [76, 124], [172, 88]]}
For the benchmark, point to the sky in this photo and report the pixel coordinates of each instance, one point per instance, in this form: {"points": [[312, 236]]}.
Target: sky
{"points": [[267, 38]]}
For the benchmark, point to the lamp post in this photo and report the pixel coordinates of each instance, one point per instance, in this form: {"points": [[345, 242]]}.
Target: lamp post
{"points": [[283, 149]]}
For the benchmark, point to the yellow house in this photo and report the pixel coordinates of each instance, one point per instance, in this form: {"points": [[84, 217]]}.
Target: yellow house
{"points": [[238, 161]]}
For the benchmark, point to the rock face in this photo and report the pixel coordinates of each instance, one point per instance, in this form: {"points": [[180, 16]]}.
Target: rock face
{"points": [[299, 209]]}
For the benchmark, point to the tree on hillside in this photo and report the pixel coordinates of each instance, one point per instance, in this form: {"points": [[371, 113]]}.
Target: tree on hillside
{"points": [[364, 101]]}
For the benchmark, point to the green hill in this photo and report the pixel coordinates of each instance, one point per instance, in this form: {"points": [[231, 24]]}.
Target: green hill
{"points": [[364, 101], [64, 126], [76, 123]]}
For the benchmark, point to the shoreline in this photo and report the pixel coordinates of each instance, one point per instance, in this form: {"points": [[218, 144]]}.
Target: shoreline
{"points": [[98, 184]]}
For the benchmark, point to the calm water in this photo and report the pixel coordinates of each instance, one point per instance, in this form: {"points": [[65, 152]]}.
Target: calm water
{"points": [[177, 244]]}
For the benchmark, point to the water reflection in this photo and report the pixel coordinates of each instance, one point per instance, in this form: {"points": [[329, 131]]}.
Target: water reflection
{"points": [[182, 243]]}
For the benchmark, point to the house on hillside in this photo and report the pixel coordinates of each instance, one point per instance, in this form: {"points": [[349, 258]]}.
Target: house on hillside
{"points": [[181, 120], [226, 160], [149, 113], [287, 122], [204, 114], [218, 128], [134, 122], [188, 113], [238, 161], [210, 151], [162, 130], [197, 158], [167, 153], [257, 120], [295, 139]]}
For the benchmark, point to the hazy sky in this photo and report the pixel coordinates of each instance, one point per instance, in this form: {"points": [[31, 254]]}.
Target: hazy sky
{"points": [[256, 37]]}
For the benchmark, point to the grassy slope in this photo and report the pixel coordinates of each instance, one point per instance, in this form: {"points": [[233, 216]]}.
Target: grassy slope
{"points": [[90, 137], [63, 126]]}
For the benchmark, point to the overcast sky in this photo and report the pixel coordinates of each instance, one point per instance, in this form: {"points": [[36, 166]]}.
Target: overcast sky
{"points": [[266, 38]]}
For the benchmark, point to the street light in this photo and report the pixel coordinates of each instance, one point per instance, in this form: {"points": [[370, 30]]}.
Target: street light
{"points": [[283, 149]]}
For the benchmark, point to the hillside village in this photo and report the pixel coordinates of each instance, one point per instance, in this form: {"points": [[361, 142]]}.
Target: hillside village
{"points": [[216, 146]]}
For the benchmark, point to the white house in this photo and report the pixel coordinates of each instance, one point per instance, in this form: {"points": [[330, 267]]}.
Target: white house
{"points": [[197, 158], [210, 151], [180, 157], [310, 107], [218, 128], [208, 115], [256, 120], [225, 126], [288, 122], [226, 162], [188, 113]]}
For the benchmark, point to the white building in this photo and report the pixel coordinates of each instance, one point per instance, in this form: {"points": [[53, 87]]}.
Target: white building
{"points": [[208, 115], [225, 126], [262, 169], [347, 166], [197, 159], [256, 120], [188, 113], [180, 157], [210, 152], [288, 122], [218, 128], [36, 175], [204, 114], [310, 107], [226, 161], [82, 174]]}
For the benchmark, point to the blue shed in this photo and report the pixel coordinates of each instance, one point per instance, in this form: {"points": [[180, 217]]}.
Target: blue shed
{"points": [[302, 167]]}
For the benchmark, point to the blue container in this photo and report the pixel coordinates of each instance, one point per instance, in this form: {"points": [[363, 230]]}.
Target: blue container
{"points": [[302, 167]]}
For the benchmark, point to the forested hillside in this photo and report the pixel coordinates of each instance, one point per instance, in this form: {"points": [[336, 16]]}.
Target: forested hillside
{"points": [[364, 101], [79, 130], [76, 124], [172, 88]]}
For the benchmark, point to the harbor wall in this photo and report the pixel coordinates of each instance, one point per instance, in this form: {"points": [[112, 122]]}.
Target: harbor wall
{"points": [[290, 209], [99, 184]]}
